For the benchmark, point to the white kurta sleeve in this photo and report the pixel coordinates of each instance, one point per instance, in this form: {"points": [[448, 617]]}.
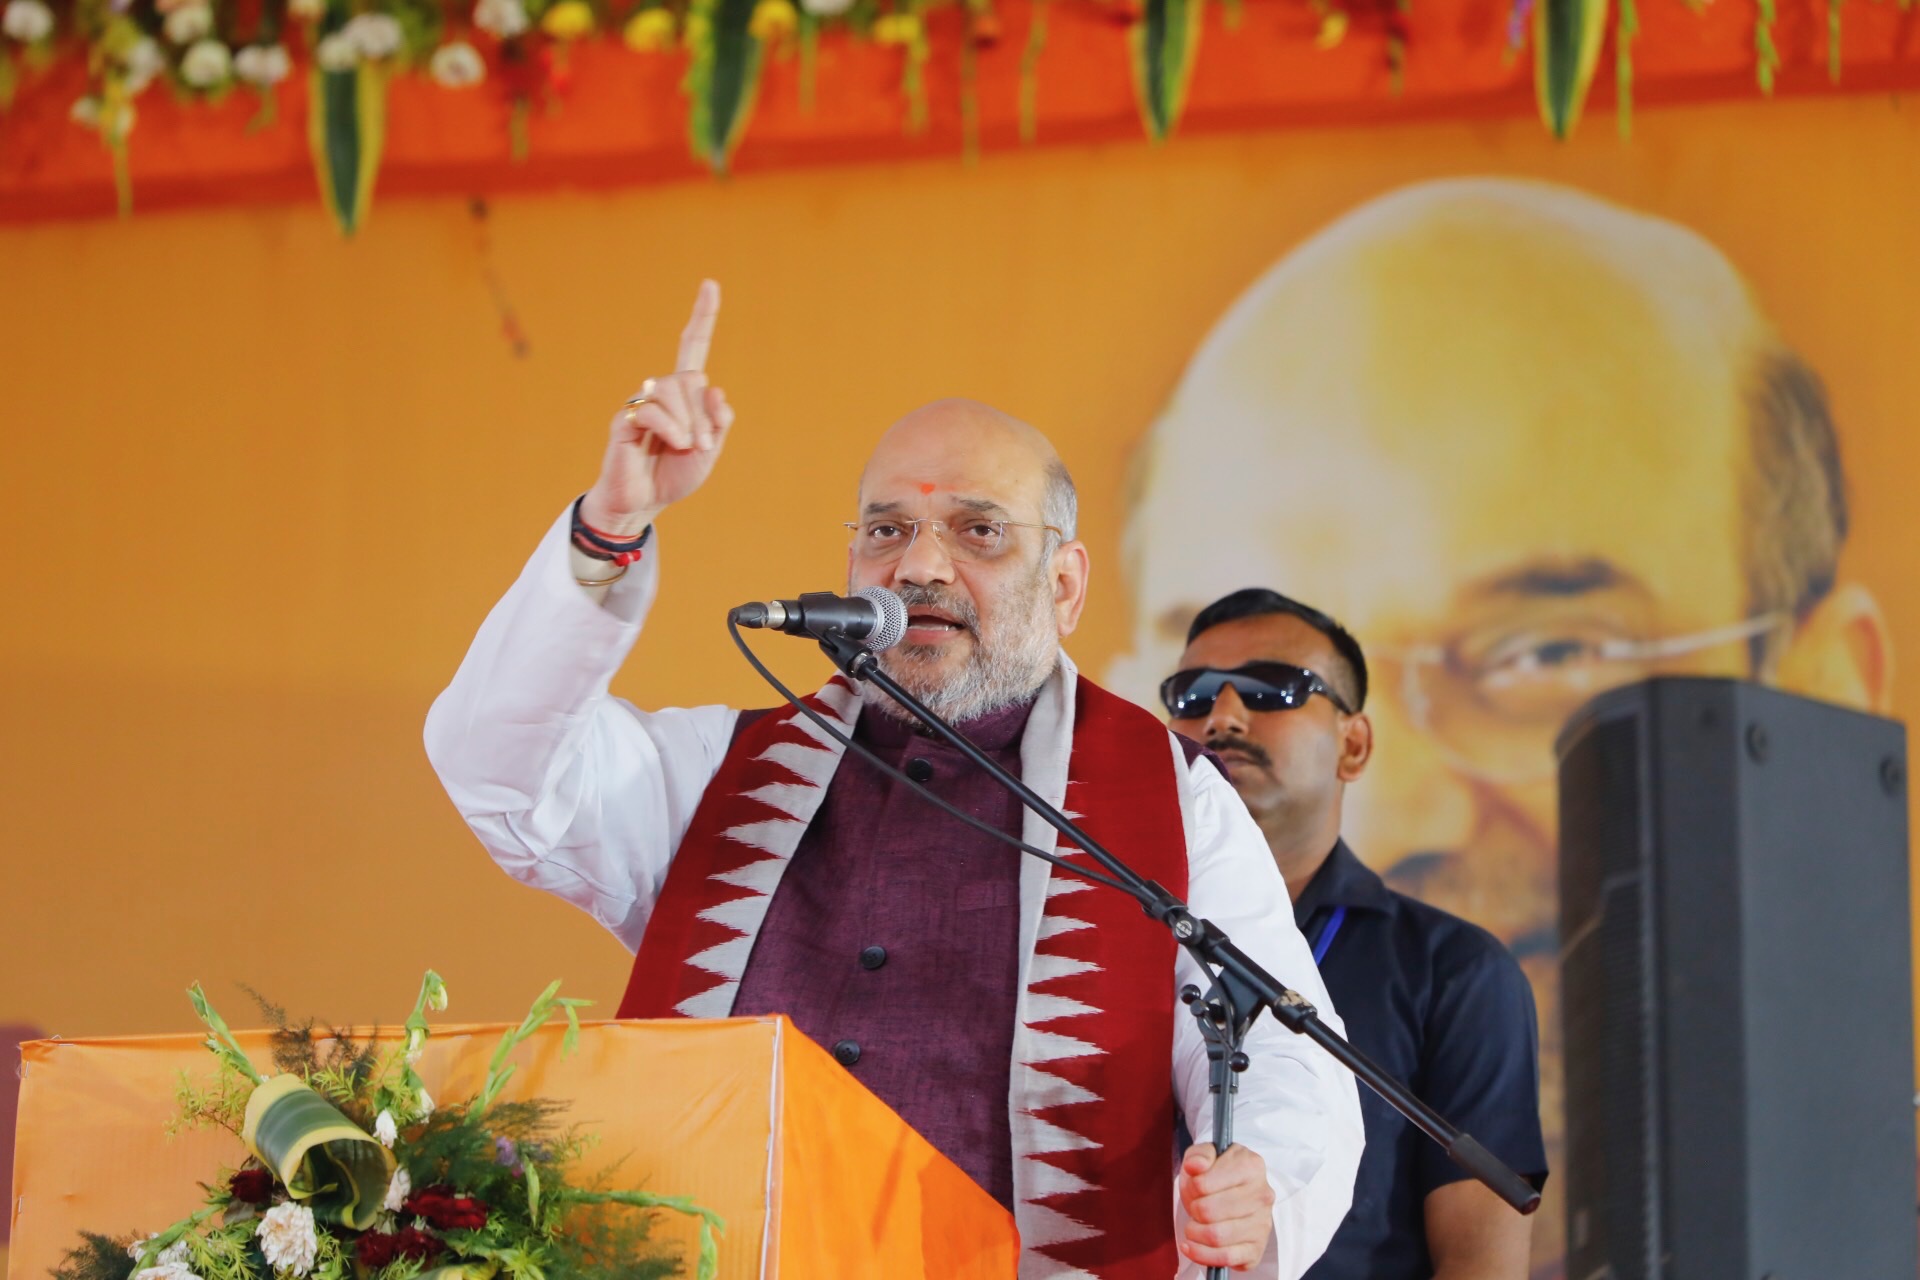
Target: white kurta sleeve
{"points": [[1298, 1109], [571, 790]]}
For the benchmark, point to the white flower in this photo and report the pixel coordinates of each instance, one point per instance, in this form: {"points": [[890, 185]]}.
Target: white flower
{"points": [[91, 112], [175, 1254], [826, 8], [385, 1129], [287, 1238], [336, 53], [437, 998], [374, 35], [189, 23], [457, 65], [503, 18], [426, 1104], [306, 10], [207, 64], [398, 1190], [167, 1271], [28, 21], [143, 61], [263, 65]]}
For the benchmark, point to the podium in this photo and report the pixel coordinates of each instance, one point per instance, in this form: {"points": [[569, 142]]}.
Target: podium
{"points": [[814, 1176]]}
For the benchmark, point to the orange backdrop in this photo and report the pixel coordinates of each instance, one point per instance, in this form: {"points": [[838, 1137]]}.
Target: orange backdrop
{"points": [[259, 485]]}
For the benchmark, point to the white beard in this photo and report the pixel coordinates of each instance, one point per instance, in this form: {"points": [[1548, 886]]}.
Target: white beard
{"points": [[1005, 670]]}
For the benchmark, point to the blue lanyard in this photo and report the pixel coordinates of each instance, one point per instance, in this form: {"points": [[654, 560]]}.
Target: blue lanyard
{"points": [[1325, 939]]}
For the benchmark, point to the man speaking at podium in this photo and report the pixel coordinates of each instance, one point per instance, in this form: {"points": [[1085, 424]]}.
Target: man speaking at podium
{"points": [[1022, 1019]]}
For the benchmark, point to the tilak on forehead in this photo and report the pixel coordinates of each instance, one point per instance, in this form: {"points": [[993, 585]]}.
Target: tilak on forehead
{"points": [[926, 486]]}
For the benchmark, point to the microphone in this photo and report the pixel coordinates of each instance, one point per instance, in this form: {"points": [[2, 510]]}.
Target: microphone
{"points": [[875, 617]]}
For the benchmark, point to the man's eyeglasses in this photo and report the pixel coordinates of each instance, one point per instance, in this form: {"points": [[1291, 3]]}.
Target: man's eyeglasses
{"points": [[885, 539], [1493, 698], [1261, 686]]}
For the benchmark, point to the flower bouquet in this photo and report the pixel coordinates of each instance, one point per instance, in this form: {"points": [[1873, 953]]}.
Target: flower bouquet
{"points": [[353, 1170]]}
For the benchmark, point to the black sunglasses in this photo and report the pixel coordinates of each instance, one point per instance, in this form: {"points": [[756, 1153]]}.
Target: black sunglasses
{"points": [[1262, 686]]}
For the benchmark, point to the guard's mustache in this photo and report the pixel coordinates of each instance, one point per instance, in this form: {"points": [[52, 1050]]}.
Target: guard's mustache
{"points": [[1240, 746], [930, 597]]}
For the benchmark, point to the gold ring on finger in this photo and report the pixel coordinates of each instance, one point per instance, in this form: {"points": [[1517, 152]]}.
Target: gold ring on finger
{"points": [[637, 401]]}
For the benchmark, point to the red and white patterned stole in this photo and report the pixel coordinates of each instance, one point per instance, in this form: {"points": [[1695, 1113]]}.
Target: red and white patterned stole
{"points": [[1091, 1097], [722, 880]]}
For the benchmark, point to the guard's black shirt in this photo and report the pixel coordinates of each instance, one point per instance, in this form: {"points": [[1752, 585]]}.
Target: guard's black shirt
{"points": [[1442, 1005]]}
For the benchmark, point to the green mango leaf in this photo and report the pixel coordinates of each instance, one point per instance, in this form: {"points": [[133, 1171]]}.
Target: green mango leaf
{"points": [[346, 129], [722, 78], [1567, 35], [1163, 42]]}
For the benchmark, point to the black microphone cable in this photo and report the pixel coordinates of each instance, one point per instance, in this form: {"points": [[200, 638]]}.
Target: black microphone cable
{"points": [[753, 660]]}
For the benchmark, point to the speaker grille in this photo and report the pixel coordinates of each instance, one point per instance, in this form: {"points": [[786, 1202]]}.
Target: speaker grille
{"points": [[1612, 1190]]}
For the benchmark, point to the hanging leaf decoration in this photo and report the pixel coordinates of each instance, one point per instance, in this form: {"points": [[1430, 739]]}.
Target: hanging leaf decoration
{"points": [[726, 42], [722, 77], [1163, 41], [1625, 29], [1566, 39], [1766, 53], [346, 129], [1833, 40], [1030, 72]]}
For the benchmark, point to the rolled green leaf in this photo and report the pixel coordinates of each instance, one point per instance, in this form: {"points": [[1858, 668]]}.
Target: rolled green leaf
{"points": [[320, 1156], [1163, 42], [722, 78], [1567, 36]]}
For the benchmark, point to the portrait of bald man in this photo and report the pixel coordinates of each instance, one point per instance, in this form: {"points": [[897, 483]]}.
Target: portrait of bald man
{"points": [[1528, 445]]}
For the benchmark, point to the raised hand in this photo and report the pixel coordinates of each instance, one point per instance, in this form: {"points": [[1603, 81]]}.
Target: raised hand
{"points": [[662, 445]]}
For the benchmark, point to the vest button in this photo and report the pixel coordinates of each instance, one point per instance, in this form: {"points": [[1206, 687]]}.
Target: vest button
{"points": [[873, 957], [919, 770], [846, 1052]]}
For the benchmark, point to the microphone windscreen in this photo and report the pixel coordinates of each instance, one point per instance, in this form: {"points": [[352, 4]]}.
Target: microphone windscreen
{"points": [[893, 618]]}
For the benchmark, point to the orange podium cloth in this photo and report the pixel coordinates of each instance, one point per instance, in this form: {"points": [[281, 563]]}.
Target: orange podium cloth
{"points": [[814, 1175]]}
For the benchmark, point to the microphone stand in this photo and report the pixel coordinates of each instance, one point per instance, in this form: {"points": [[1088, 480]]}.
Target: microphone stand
{"points": [[1240, 989]]}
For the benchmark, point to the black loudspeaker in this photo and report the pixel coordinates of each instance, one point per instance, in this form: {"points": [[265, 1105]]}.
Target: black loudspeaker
{"points": [[1737, 988]]}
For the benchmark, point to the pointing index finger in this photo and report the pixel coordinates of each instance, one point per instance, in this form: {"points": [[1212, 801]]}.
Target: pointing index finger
{"points": [[697, 337]]}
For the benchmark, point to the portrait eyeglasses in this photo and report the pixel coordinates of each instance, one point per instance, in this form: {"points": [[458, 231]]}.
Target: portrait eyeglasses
{"points": [[1261, 686]]}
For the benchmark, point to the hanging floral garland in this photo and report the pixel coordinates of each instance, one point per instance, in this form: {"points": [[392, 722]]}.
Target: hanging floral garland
{"points": [[347, 52]]}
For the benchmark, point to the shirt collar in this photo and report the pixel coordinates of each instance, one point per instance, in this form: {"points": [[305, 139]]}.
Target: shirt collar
{"points": [[1342, 881]]}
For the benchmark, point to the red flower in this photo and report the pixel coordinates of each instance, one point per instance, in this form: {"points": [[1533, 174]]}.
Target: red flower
{"points": [[445, 1210], [252, 1186], [415, 1243], [376, 1249]]}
